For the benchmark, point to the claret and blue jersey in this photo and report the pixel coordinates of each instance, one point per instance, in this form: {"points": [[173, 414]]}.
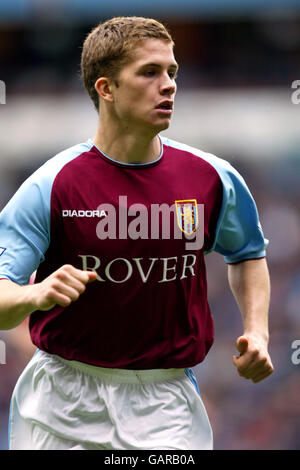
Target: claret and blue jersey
{"points": [[148, 307]]}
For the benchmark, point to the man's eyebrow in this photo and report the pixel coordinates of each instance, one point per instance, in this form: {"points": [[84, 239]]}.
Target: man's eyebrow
{"points": [[171, 66]]}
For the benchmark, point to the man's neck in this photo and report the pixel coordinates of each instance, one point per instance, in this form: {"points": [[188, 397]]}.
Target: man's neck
{"points": [[128, 147]]}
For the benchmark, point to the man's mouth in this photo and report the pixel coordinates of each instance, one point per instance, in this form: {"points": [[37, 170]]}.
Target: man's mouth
{"points": [[166, 106]]}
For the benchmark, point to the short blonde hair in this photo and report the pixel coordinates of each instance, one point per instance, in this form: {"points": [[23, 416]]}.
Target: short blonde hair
{"points": [[108, 47]]}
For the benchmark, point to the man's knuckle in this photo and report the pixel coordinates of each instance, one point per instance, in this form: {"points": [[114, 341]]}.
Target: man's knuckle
{"points": [[81, 289], [50, 293], [54, 284], [61, 275], [67, 268], [76, 295]]}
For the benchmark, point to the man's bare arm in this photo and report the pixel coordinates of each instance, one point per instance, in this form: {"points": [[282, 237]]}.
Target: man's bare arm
{"points": [[62, 288], [250, 285]]}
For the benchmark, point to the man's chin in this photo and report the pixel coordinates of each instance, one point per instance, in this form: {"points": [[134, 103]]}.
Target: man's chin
{"points": [[156, 127], [162, 126]]}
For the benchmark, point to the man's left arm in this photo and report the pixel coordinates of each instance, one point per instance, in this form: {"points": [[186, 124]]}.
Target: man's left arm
{"points": [[250, 284]]}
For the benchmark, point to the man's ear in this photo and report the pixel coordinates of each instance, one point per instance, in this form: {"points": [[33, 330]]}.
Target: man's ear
{"points": [[103, 86]]}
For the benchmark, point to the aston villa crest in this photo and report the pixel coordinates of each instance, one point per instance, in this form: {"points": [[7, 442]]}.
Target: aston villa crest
{"points": [[187, 215]]}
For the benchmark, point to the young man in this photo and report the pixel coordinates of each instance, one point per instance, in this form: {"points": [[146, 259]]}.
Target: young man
{"points": [[119, 310]]}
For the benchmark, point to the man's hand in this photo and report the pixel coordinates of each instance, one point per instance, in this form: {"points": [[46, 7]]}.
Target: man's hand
{"points": [[254, 361], [62, 287]]}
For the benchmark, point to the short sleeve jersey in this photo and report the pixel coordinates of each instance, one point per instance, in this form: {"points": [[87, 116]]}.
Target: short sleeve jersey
{"points": [[144, 228]]}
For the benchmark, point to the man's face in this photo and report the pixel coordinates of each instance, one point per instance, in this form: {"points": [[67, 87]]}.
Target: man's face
{"points": [[143, 99]]}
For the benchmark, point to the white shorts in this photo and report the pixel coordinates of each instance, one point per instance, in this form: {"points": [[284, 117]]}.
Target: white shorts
{"points": [[59, 405]]}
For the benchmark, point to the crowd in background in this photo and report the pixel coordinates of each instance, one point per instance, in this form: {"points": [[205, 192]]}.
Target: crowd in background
{"points": [[222, 54], [228, 53]]}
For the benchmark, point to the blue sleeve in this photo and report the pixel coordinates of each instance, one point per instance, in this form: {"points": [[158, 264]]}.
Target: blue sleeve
{"points": [[24, 231], [239, 235], [25, 220]]}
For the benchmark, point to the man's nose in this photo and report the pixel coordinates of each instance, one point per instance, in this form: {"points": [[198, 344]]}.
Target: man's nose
{"points": [[168, 85]]}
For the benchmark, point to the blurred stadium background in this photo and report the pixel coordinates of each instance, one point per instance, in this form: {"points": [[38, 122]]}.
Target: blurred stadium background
{"points": [[238, 61]]}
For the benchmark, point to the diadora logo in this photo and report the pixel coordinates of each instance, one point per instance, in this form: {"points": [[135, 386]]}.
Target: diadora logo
{"points": [[81, 213]]}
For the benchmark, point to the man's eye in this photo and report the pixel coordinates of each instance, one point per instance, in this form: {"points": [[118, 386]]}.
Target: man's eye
{"points": [[173, 75], [149, 73]]}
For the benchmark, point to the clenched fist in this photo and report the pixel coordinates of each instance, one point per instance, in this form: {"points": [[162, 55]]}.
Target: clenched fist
{"points": [[254, 361], [62, 287]]}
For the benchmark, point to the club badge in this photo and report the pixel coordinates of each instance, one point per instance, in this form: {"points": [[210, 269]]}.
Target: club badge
{"points": [[187, 215]]}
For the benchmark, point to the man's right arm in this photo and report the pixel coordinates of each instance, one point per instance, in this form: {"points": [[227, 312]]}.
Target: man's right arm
{"points": [[62, 287]]}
